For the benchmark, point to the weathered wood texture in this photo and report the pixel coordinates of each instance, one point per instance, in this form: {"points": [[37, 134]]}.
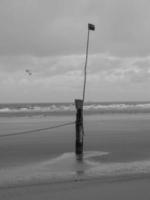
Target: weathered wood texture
{"points": [[79, 127]]}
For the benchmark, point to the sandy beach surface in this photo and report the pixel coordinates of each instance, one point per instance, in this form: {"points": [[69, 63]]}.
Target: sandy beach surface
{"points": [[43, 165], [131, 190]]}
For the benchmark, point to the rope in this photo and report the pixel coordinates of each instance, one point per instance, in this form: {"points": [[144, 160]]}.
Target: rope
{"points": [[36, 130]]}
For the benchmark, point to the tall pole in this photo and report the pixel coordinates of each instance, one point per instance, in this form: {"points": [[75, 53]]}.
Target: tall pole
{"points": [[85, 67], [79, 106]]}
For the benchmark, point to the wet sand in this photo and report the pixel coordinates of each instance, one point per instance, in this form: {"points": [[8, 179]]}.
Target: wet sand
{"points": [[115, 190], [125, 140]]}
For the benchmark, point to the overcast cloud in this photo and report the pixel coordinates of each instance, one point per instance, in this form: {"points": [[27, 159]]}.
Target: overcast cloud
{"points": [[49, 38]]}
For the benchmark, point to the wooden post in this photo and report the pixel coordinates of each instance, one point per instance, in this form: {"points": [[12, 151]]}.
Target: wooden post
{"points": [[79, 128]]}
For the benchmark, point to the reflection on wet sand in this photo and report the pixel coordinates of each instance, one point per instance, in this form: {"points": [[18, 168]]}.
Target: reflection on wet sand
{"points": [[67, 167]]}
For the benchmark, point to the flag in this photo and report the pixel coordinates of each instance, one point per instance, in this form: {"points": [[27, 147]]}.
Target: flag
{"points": [[91, 27]]}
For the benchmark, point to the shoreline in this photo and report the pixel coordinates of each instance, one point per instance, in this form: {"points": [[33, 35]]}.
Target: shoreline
{"points": [[31, 171], [79, 180], [131, 188]]}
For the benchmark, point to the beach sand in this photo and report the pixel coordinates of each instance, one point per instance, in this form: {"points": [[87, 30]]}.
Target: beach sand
{"points": [[115, 145], [115, 190]]}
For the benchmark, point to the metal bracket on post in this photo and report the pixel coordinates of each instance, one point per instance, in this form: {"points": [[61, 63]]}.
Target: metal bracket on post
{"points": [[79, 129]]}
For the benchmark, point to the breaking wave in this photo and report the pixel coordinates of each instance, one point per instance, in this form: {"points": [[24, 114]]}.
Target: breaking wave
{"points": [[68, 108]]}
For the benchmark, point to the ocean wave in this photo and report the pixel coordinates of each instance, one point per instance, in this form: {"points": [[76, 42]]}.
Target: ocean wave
{"points": [[67, 107]]}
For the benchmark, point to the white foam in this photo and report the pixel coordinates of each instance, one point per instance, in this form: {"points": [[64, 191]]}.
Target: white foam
{"points": [[100, 107]]}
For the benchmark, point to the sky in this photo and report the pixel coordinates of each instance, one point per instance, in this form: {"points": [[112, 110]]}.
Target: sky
{"points": [[48, 37]]}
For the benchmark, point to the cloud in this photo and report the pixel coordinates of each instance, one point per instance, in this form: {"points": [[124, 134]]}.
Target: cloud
{"points": [[49, 38], [47, 27], [61, 77], [121, 69], [103, 65]]}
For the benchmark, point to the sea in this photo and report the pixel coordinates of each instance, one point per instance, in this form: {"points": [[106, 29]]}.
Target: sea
{"points": [[33, 151], [45, 109]]}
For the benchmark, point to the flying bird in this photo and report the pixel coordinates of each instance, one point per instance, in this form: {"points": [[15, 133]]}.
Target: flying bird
{"points": [[28, 72]]}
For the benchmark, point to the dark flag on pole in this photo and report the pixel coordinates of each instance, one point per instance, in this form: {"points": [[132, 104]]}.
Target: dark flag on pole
{"points": [[91, 27]]}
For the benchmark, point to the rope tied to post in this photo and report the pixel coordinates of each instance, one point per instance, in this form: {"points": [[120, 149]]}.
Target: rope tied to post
{"points": [[36, 130]]}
